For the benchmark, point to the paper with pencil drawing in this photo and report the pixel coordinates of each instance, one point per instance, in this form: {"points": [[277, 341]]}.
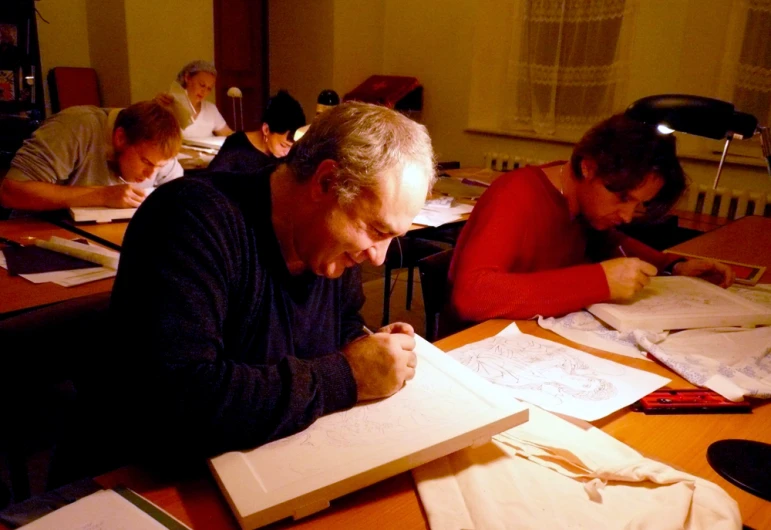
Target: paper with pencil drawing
{"points": [[556, 377]]}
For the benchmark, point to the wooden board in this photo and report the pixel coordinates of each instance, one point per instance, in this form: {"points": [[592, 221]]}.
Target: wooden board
{"points": [[445, 408], [678, 302]]}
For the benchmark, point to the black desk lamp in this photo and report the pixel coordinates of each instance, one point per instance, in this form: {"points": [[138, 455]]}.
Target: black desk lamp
{"points": [[744, 463], [701, 116]]}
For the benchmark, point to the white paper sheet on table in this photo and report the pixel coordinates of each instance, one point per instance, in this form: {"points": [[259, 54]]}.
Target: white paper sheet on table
{"points": [[584, 328], [103, 510], [556, 377], [437, 215], [550, 473], [733, 362], [65, 278]]}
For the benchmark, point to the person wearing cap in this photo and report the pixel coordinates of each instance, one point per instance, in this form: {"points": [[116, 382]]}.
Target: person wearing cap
{"points": [[194, 83], [248, 152]]}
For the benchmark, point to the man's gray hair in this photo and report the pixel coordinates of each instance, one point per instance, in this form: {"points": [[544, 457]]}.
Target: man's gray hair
{"points": [[366, 141], [193, 68]]}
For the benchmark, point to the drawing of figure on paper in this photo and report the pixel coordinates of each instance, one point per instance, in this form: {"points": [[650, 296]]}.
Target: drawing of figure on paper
{"points": [[534, 372], [358, 430], [674, 300]]}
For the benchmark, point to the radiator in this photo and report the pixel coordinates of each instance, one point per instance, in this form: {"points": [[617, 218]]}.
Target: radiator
{"points": [[731, 204], [505, 162]]}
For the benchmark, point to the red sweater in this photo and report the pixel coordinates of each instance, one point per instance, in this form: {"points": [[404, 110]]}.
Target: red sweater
{"points": [[520, 253]]}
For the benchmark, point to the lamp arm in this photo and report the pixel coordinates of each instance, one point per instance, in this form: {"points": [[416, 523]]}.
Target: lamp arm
{"points": [[765, 143], [722, 160]]}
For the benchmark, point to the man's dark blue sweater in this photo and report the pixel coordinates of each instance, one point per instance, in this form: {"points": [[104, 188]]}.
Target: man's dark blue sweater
{"points": [[221, 347]]}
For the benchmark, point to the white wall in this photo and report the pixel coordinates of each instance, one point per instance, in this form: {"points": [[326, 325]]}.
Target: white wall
{"points": [[163, 36], [432, 40], [301, 49], [60, 43]]}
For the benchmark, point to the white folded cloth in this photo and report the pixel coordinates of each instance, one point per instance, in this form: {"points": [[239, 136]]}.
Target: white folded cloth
{"points": [[551, 473], [734, 362]]}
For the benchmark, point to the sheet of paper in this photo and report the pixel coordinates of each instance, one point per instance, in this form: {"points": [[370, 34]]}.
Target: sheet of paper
{"points": [[437, 216], [205, 142], [733, 362], [760, 293], [103, 510], [556, 377], [584, 328]]}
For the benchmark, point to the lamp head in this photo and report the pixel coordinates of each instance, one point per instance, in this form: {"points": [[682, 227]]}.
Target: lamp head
{"points": [[696, 115], [234, 92]]}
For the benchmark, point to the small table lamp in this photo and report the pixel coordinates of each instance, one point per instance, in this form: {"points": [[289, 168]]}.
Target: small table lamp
{"points": [[235, 93], [701, 116]]}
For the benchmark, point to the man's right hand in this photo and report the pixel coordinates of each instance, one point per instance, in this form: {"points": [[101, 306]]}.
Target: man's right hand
{"points": [[122, 196], [627, 276], [381, 363]]}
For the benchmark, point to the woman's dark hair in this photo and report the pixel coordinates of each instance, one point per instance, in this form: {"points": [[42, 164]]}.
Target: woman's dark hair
{"points": [[283, 113], [625, 152]]}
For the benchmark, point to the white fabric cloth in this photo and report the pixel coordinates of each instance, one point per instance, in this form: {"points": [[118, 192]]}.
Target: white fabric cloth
{"points": [[733, 362], [550, 473], [584, 328], [74, 148], [205, 123]]}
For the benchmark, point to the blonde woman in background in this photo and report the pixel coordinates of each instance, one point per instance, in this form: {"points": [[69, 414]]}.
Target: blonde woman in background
{"points": [[194, 82]]}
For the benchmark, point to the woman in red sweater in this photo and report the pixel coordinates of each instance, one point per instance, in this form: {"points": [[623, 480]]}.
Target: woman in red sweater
{"points": [[541, 240]]}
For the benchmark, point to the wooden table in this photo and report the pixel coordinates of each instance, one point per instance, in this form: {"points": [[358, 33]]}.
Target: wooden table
{"points": [[20, 294], [681, 441], [678, 440], [746, 240]]}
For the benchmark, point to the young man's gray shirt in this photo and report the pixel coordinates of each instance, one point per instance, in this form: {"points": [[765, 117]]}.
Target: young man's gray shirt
{"points": [[74, 148]]}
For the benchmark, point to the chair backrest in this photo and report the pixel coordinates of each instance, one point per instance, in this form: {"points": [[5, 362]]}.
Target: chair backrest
{"points": [[433, 282], [70, 86]]}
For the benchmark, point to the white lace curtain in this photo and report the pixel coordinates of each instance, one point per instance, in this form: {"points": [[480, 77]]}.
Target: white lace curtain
{"points": [[567, 65], [747, 63]]}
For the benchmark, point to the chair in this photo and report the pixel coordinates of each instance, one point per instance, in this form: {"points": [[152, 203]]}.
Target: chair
{"points": [[404, 252], [46, 354], [433, 281], [70, 86]]}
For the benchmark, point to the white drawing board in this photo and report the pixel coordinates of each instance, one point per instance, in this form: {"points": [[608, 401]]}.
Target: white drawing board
{"points": [[678, 302], [445, 408], [83, 214]]}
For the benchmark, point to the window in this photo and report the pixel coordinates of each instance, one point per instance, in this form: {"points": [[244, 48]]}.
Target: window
{"points": [[552, 68]]}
